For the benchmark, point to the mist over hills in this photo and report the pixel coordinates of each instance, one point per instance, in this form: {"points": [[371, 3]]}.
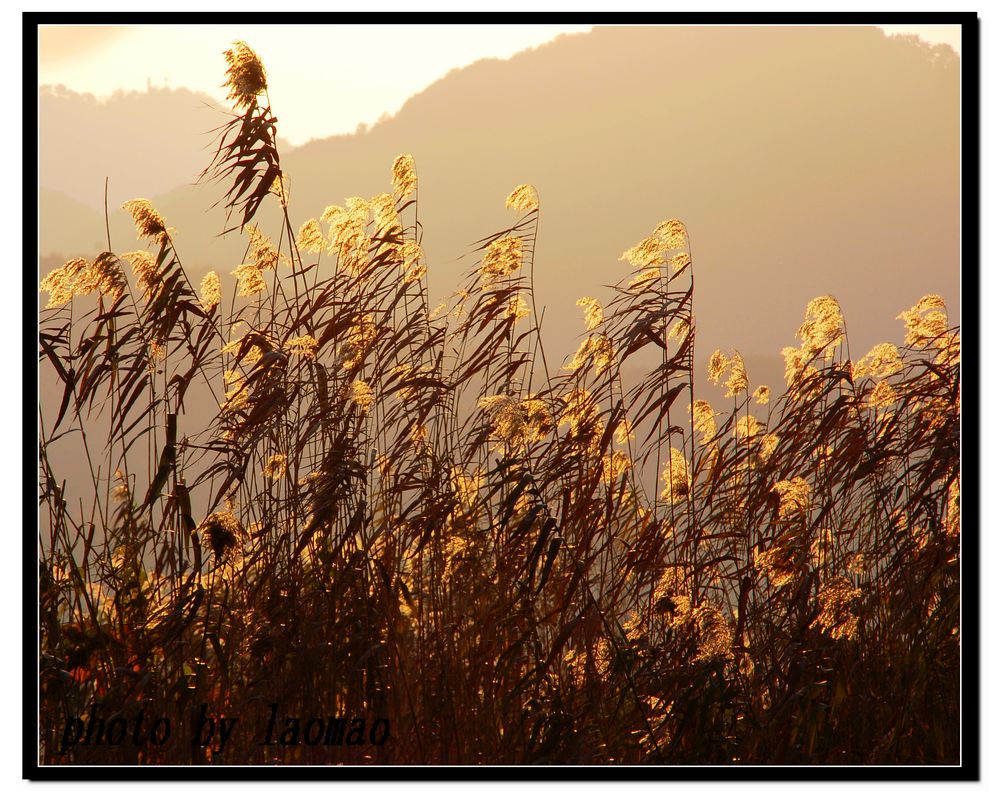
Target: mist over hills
{"points": [[804, 161]]}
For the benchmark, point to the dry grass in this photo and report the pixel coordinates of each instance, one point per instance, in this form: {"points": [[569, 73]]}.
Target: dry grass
{"points": [[403, 513]]}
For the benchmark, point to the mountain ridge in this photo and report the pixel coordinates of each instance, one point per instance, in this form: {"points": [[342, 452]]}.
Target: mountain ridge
{"points": [[804, 162]]}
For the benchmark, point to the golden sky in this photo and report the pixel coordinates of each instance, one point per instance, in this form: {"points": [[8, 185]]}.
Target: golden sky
{"points": [[327, 79]]}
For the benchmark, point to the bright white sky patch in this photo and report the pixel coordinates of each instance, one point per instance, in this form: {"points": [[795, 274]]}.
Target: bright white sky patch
{"points": [[326, 79]]}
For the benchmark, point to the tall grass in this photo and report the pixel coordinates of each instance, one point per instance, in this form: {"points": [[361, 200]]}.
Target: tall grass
{"points": [[395, 512]]}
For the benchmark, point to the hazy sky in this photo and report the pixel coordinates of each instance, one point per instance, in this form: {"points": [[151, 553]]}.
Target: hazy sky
{"points": [[327, 79]]}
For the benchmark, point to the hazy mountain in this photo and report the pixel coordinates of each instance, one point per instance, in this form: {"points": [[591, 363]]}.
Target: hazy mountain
{"points": [[66, 223], [804, 161]]}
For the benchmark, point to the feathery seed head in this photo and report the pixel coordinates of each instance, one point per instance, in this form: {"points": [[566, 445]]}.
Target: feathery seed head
{"points": [[746, 427], [250, 280], [837, 599], [593, 315], [823, 328], [149, 223], [310, 238], [147, 275], [794, 494], [737, 382], [717, 365], [704, 420], [676, 477], [245, 75], [517, 308], [211, 291], [523, 198], [275, 466], [881, 361], [362, 395], [304, 345], [104, 276], [59, 282], [883, 395], [404, 175], [222, 533], [501, 258], [644, 278], [613, 466]]}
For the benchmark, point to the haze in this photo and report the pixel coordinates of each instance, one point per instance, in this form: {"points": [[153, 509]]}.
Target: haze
{"points": [[805, 161], [325, 78]]}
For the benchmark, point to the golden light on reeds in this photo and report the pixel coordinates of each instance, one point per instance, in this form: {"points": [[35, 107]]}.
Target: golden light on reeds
{"points": [[746, 427], [837, 616], [581, 414], [517, 308], [222, 533], [926, 322], [676, 477], [275, 466], [596, 347], [613, 466], [778, 562], [644, 278], [522, 198], [211, 291], [147, 274], [59, 283], [648, 253], [245, 75], [593, 315], [624, 432], [250, 280], [103, 276], [680, 330], [881, 361], [149, 223], [360, 337], [715, 634], [385, 218], [362, 395], [282, 187], [262, 250], [347, 237], [515, 423], [303, 345], [717, 365], [501, 259], [737, 382], [883, 395], [467, 487], [794, 496], [704, 419], [410, 255], [678, 262], [421, 477], [821, 548], [651, 251], [310, 239], [823, 328], [404, 175]]}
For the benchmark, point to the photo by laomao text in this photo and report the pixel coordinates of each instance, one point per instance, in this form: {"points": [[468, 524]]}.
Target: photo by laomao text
{"points": [[214, 731]]}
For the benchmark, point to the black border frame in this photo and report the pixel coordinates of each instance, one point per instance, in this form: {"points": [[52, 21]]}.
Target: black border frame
{"points": [[970, 233]]}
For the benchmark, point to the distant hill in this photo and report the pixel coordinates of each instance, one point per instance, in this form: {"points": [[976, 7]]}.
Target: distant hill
{"points": [[804, 161], [146, 142], [67, 225]]}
